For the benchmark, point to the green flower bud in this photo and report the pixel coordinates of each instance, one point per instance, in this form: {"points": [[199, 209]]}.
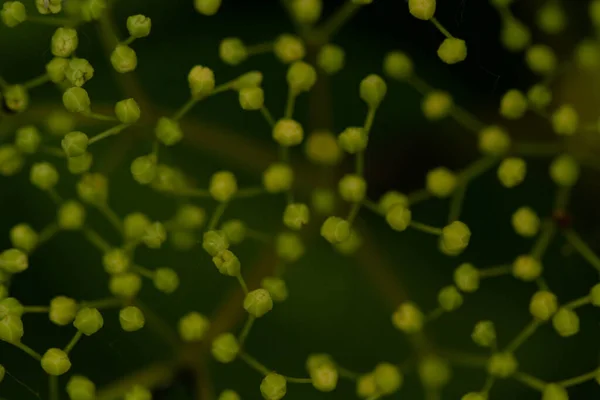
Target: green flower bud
{"points": [[143, 169], [484, 333], [422, 9], [526, 222], [139, 26], [322, 371], [511, 171], [88, 321], [135, 225], [81, 388], [10, 306], [350, 245], [452, 50], [565, 322], [183, 240], [249, 79], [398, 217], [13, 261], [131, 319], [55, 362], [11, 160], [155, 235], [450, 298], [115, 261], [352, 188], [564, 170], [60, 123], [273, 386], [322, 148], [214, 242], [466, 278], [223, 186], [551, 18], [441, 182], [539, 96], [64, 42], [16, 98], [565, 120], [193, 327], [79, 71], [373, 90], [502, 365], [554, 391], [23, 237], [252, 98], [515, 36], [541, 59], [436, 105], [13, 13], [289, 246], [76, 99], [75, 144], [278, 177], [229, 395], [201, 81], [494, 140], [234, 230], [398, 65], [288, 132], [227, 263], [434, 372], [11, 328], [306, 11], [166, 280], [258, 302], [225, 348], [296, 215], [123, 59], [474, 396], [62, 310], [301, 77], [392, 198], [28, 139], [323, 201], [92, 10], [276, 288], [168, 131], [388, 378], [335, 230], [454, 238], [353, 140], [127, 111], [43, 175], [365, 386], [513, 104], [232, 51], [138, 392], [189, 216], [331, 58], [207, 7], [408, 318], [289, 48], [543, 305], [526, 268], [126, 285], [595, 295], [587, 55]]}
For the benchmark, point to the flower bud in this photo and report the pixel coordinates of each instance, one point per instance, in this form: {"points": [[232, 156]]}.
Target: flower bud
{"points": [[88, 321], [398, 217], [331, 58], [322, 371], [214, 242], [434, 372], [422, 9], [64, 42], [398, 65], [543, 305], [373, 90], [252, 98], [452, 50], [484, 334], [123, 59], [207, 7], [388, 378], [466, 278], [323, 201], [23, 237], [511, 171], [539, 96], [127, 111], [525, 222], [450, 298], [232, 51], [11, 328], [306, 11], [502, 365], [513, 104], [168, 131], [455, 238], [229, 395], [278, 177], [441, 182], [55, 362], [10, 306], [494, 141], [91, 10], [288, 132], [193, 327], [335, 229], [28, 139], [551, 19], [223, 186], [437, 105], [526, 268], [365, 386], [43, 175], [116, 261], [515, 36], [565, 322], [13, 261], [131, 319], [13, 13], [16, 98], [234, 230], [258, 302], [2, 372], [474, 396], [80, 164], [143, 169], [595, 295], [225, 348], [201, 81], [79, 71], [139, 26], [352, 188], [273, 386], [249, 79], [60, 122], [227, 263], [350, 245], [565, 120], [62, 310], [135, 225], [75, 144], [301, 77], [296, 215], [81, 388], [138, 392], [541, 59], [564, 170], [588, 55], [289, 246], [554, 391], [76, 100], [408, 318], [166, 280], [289, 48], [155, 235], [276, 288], [126, 285]]}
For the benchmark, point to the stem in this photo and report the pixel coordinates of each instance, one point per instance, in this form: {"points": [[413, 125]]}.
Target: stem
{"points": [[34, 354], [580, 302], [466, 119], [112, 131], [530, 381], [353, 212], [582, 248], [254, 363], [495, 271], [260, 48], [37, 81], [242, 283], [268, 116], [47, 233], [369, 120], [214, 220], [35, 309], [372, 206], [434, 314], [112, 217], [96, 240], [99, 117], [53, 387], [418, 196], [426, 228], [103, 303], [56, 21], [457, 202], [73, 342], [337, 20], [523, 336], [128, 41], [543, 240], [441, 28], [291, 102], [249, 192], [246, 330], [579, 379], [297, 380], [185, 108]]}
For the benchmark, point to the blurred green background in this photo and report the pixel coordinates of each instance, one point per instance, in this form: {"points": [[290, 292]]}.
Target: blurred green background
{"points": [[338, 305]]}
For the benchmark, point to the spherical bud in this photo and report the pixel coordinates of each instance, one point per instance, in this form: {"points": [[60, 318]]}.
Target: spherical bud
{"points": [[288, 132], [543, 305], [155, 235], [62, 310], [276, 288], [182, 240], [513, 104], [466, 278], [454, 238], [16, 98], [79, 71], [595, 295], [398, 65], [301, 77], [138, 392], [232, 51], [323, 372], [75, 144], [587, 55], [81, 388], [422, 9], [353, 140], [398, 217], [258, 302], [234, 230], [554, 391], [28, 139], [92, 10], [168, 131], [494, 140], [296, 215], [273, 386], [565, 120], [252, 98], [352, 188], [526, 268], [60, 123], [193, 327], [278, 177], [10, 306], [511, 171], [13, 261], [115, 261], [127, 111], [306, 11], [365, 386], [335, 229], [207, 7], [539, 96], [249, 79], [11, 328], [331, 58], [55, 362], [525, 222], [323, 201], [452, 50], [13, 13], [131, 319], [372, 90], [474, 396], [64, 42], [23, 237], [388, 378], [143, 169], [322, 148], [229, 395], [88, 321], [135, 225], [289, 48], [350, 245], [441, 182], [166, 280], [289, 246], [436, 105], [565, 322], [434, 372], [139, 26], [408, 318], [214, 242], [450, 298], [392, 198], [225, 348], [551, 19], [126, 285], [123, 59], [80, 164], [227, 263], [223, 186], [76, 99], [515, 36], [541, 59], [564, 170], [43, 175], [502, 365], [201, 81]]}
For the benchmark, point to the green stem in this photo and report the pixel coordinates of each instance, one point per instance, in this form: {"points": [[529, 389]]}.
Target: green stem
{"points": [[291, 103], [218, 213], [580, 379], [112, 131], [580, 302], [73, 342], [249, 192], [99, 117], [246, 330], [495, 271], [34, 354], [47, 233], [297, 380], [441, 28], [35, 309], [254, 363], [530, 381], [259, 48], [466, 119], [111, 216], [529, 330], [96, 240], [434, 314], [457, 201], [185, 108], [53, 387], [55, 21], [353, 212], [110, 302], [374, 207], [268, 116], [426, 228], [37, 81], [128, 41], [418, 196], [337, 20], [582, 248], [544, 239], [369, 120], [242, 282]]}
